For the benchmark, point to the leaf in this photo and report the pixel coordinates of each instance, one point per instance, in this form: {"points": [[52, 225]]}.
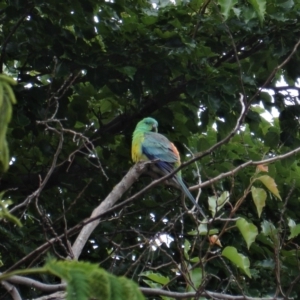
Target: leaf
{"points": [[214, 240], [130, 290], [248, 230], [262, 168], [260, 8], [156, 277], [286, 4], [187, 247], [77, 288], [216, 203], [202, 230], [259, 197], [238, 259], [270, 185], [295, 229], [149, 20], [74, 273], [86, 280], [128, 70], [7, 98], [269, 230], [4, 212], [226, 6], [152, 284], [194, 89], [196, 278], [271, 139]]}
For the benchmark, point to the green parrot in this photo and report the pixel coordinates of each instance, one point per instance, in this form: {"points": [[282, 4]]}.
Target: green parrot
{"points": [[147, 144]]}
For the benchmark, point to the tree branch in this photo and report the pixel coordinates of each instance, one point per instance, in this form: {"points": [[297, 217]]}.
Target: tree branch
{"points": [[37, 192], [12, 290], [36, 284], [221, 296], [106, 204], [147, 291], [271, 76], [244, 165]]}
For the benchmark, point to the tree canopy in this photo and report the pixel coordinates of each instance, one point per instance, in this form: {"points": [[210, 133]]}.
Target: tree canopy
{"points": [[208, 71]]}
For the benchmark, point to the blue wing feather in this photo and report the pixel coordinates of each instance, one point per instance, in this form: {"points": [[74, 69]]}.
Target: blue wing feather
{"points": [[157, 146]]}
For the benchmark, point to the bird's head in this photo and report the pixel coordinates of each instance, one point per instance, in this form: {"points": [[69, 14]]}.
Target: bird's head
{"points": [[147, 124]]}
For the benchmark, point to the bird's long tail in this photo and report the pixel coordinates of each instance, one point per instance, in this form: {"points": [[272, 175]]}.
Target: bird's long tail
{"points": [[168, 168], [189, 195]]}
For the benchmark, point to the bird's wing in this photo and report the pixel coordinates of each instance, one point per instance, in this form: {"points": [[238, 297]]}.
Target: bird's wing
{"points": [[157, 146]]}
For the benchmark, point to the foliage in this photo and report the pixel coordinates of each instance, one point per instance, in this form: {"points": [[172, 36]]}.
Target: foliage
{"points": [[7, 98], [4, 213], [86, 73], [86, 281]]}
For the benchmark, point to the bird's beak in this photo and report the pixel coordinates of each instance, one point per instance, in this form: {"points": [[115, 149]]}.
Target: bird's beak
{"points": [[154, 128]]}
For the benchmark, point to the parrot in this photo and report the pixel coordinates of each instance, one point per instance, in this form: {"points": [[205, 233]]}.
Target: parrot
{"points": [[148, 144]]}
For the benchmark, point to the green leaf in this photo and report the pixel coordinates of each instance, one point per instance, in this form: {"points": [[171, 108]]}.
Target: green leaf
{"points": [[195, 259], [4, 212], [294, 229], [249, 231], [128, 70], [216, 203], [270, 185], [129, 288], [260, 8], [226, 6], [77, 288], [238, 259], [196, 278], [152, 284], [259, 197], [149, 20], [269, 230], [272, 139], [286, 4], [187, 247], [194, 88], [74, 274], [85, 281], [156, 277], [202, 230]]}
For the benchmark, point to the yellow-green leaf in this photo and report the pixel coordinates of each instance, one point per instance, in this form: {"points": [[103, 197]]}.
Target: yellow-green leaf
{"points": [[238, 259], [216, 203], [196, 278], [294, 229], [270, 184], [259, 197], [248, 230]]}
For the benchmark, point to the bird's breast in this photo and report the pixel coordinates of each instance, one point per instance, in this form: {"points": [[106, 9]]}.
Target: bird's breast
{"points": [[136, 149]]}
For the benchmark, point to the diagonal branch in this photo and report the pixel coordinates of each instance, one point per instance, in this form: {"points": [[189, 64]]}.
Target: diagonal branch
{"points": [[12, 290], [37, 192], [106, 204]]}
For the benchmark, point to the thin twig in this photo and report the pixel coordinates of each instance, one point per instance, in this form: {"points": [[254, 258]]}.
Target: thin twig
{"points": [[37, 192]]}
